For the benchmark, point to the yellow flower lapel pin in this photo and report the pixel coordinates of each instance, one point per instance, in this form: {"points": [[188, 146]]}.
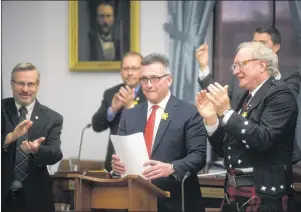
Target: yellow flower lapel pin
{"points": [[136, 101], [164, 116], [244, 114]]}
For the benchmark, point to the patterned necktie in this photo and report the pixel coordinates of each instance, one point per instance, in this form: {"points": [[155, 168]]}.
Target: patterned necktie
{"points": [[21, 159], [245, 104], [149, 130]]}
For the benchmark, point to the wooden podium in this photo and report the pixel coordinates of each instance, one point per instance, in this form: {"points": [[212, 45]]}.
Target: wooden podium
{"points": [[132, 193]]}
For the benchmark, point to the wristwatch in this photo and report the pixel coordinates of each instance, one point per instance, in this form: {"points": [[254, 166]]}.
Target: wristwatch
{"points": [[224, 113], [114, 175], [172, 168]]}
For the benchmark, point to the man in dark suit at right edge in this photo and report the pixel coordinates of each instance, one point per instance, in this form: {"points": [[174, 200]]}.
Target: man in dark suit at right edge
{"points": [[271, 38], [257, 133], [116, 98]]}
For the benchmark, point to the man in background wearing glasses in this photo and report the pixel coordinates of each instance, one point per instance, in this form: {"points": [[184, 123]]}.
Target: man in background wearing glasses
{"points": [[175, 137], [30, 140], [122, 96]]}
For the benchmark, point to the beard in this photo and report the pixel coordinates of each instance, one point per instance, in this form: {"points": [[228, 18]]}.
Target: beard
{"points": [[104, 29]]}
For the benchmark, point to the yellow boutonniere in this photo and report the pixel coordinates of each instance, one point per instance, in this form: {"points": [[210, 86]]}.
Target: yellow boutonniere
{"points": [[136, 100], [164, 116], [244, 114]]}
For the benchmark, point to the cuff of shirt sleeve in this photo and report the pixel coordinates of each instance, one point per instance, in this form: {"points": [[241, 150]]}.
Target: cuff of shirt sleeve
{"points": [[204, 73], [227, 117], [5, 146], [111, 114], [211, 129]]}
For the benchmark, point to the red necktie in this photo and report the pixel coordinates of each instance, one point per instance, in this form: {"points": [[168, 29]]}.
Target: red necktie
{"points": [[245, 104], [149, 130]]}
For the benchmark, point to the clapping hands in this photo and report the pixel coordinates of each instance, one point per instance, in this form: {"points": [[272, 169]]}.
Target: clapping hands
{"points": [[212, 103]]}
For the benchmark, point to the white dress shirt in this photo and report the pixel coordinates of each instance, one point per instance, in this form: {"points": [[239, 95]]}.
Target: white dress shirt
{"points": [[159, 112], [28, 107], [108, 48]]}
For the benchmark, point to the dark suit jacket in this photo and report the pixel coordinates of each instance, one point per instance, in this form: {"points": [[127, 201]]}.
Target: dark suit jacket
{"points": [[100, 119], [289, 75], [37, 186], [180, 140], [96, 50], [265, 137]]}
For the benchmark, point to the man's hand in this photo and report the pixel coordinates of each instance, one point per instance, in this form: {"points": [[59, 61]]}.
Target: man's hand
{"points": [[20, 130], [117, 166], [127, 95], [157, 169], [117, 104], [202, 56], [205, 108], [32, 147], [218, 96]]}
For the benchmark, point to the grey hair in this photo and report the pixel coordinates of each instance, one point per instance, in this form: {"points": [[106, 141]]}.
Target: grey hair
{"points": [[157, 58], [261, 52], [24, 67]]}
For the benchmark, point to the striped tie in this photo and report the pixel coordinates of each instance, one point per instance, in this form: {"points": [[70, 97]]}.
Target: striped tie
{"points": [[21, 158]]}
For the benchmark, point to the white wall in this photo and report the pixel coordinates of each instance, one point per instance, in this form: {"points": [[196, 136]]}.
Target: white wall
{"points": [[37, 31]]}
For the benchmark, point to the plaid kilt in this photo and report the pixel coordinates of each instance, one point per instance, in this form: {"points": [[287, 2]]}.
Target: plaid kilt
{"points": [[242, 195], [247, 198]]}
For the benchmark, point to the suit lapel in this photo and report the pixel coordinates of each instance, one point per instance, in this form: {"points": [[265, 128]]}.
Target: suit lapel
{"points": [[141, 119], [141, 96], [171, 109], [37, 119], [259, 95], [12, 112]]}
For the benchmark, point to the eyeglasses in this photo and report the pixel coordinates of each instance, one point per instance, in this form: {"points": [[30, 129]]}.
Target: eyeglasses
{"points": [[23, 84], [134, 68], [153, 79], [241, 64]]}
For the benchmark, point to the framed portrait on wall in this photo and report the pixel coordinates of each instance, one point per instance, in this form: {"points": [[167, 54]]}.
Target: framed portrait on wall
{"points": [[100, 32]]}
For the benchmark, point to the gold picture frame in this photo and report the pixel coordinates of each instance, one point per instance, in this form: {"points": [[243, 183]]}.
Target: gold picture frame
{"points": [[84, 66]]}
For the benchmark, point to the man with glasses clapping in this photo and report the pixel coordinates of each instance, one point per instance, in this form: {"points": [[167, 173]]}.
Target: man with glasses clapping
{"points": [[30, 140], [115, 99]]}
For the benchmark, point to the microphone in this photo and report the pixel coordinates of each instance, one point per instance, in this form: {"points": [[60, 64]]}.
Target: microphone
{"points": [[187, 174], [80, 146]]}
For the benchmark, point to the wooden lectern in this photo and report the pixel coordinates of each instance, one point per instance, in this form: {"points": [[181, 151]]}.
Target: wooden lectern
{"points": [[132, 193]]}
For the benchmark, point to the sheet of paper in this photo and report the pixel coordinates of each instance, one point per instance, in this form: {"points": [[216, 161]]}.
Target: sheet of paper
{"points": [[132, 152]]}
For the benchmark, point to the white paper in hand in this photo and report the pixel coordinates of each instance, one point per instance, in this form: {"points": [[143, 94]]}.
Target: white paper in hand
{"points": [[132, 152]]}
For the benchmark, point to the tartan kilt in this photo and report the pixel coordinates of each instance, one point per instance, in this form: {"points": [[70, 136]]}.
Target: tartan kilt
{"points": [[247, 198]]}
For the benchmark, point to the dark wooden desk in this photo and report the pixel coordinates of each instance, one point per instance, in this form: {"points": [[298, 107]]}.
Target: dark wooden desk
{"points": [[212, 189]]}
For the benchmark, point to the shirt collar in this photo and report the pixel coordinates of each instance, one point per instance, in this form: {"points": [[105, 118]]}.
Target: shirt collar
{"points": [[278, 77], [161, 104], [257, 88], [106, 38], [28, 107], [137, 89]]}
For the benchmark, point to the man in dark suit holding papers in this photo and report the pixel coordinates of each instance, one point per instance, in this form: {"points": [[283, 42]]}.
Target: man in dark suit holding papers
{"points": [[174, 134]]}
